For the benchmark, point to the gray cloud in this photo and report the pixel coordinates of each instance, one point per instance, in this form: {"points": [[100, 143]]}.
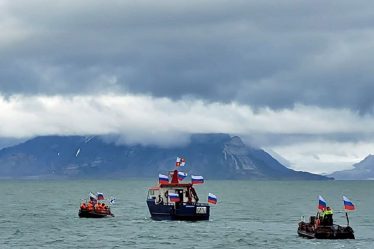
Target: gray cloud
{"points": [[253, 52], [279, 139]]}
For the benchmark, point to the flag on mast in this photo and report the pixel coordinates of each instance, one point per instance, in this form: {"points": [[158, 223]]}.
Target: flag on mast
{"points": [[112, 200], [180, 162], [181, 175], [93, 197], [348, 205], [322, 204], [197, 179], [212, 198], [163, 179], [100, 196]]}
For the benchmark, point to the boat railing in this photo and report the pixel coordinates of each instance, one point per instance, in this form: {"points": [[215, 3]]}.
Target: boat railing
{"points": [[199, 204], [188, 204]]}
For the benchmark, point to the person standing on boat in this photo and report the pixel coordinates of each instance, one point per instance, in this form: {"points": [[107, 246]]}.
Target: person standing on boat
{"points": [[160, 200], [327, 217]]}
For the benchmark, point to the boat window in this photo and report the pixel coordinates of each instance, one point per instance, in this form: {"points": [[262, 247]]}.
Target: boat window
{"points": [[151, 194]]}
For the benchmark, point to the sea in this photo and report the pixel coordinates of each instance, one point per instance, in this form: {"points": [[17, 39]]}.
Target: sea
{"points": [[249, 214]]}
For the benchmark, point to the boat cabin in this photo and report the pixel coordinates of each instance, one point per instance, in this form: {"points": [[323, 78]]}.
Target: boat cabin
{"points": [[185, 192]]}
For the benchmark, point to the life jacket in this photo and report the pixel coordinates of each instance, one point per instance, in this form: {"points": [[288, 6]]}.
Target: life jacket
{"points": [[328, 212], [90, 207], [83, 206], [101, 209]]}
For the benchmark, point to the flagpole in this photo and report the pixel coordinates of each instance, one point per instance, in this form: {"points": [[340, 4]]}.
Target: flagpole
{"points": [[346, 215]]}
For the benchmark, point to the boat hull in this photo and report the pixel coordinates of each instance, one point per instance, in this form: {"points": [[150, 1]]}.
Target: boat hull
{"points": [[195, 212], [92, 214], [325, 232]]}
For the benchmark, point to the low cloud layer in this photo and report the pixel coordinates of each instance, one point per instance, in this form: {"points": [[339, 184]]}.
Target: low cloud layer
{"points": [[303, 132]]}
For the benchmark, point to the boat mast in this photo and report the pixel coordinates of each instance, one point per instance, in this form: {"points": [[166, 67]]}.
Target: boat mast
{"points": [[346, 215]]}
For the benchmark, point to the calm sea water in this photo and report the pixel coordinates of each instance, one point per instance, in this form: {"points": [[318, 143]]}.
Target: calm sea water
{"points": [[250, 214]]}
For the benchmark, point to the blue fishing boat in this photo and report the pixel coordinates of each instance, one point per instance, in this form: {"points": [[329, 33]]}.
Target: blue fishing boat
{"points": [[176, 201]]}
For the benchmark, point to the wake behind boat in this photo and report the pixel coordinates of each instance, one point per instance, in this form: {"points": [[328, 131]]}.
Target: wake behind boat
{"points": [[178, 201], [322, 226]]}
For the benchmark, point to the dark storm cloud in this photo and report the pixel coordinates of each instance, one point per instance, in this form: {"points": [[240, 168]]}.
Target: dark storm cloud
{"points": [[255, 52]]}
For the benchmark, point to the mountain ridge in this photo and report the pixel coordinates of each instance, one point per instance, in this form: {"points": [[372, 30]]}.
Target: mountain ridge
{"points": [[216, 156], [363, 170]]}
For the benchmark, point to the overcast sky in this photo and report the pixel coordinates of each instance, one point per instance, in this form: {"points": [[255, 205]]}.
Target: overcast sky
{"points": [[293, 77]]}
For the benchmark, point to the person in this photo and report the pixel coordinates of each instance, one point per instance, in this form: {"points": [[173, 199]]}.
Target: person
{"points": [[317, 222], [180, 202], [189, 197], [160, 200], [320, 214], [83, 206], [193, 192], [98, 207], [327, 217], [90, 207]]}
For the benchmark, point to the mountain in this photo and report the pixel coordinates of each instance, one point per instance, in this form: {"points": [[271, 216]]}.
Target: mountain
{"points": [[217, 156], [363, 170], [6, 142]]}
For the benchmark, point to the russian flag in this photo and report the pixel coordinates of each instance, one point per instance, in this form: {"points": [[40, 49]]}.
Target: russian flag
{"points": [[212, 198], [348, 205], [92, 197], [112, 200], [181, 176], [100, 196], [322, 204], [174, 197], [163, 179], [197, 179]]}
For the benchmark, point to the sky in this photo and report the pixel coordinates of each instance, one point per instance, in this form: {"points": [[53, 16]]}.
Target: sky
{"points": [[292, 77]]}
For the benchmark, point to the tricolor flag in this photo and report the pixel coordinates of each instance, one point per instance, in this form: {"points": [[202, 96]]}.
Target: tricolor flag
{"points": [[180, 161], [163, 179], [181, 176], [174, 197], [92, 197], [322, 204], [348, 205], [197, 179], [212, 198], [112, 200], [100, 196]]}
